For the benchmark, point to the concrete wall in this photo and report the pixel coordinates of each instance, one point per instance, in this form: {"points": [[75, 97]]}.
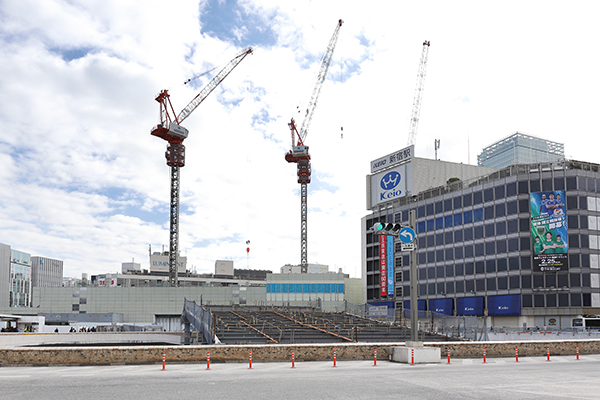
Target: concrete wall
{"points": [[281, 353]]}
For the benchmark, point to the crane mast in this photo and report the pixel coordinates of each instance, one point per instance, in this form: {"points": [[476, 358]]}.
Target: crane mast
{"points": [[416, 110], [170, 130], [299, 153]]}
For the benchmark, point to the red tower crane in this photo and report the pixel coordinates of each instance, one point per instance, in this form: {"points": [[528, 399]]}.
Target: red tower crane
{"points": [[299, 152], [170, 129]]}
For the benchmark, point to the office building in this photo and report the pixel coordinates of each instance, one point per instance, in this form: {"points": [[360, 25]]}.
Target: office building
{"points": [[520, 148]]}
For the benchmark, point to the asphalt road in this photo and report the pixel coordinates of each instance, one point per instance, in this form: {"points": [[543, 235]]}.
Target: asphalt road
{"points": [[530, 378]]}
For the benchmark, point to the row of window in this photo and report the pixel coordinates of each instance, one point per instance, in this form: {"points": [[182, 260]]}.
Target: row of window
{"points": [[305, 288]]}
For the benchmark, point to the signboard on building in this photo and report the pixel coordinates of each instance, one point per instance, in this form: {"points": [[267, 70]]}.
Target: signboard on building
{"points": [[390, 264], [549, 231], [383, 265], [397, 157], [441, 306], [389, 185], [159, 262], [472, 306], [508, 304]]}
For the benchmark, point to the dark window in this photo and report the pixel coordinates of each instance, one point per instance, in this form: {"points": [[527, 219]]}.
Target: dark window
{"points": [[478, 232], [500, 210], [523, 187], [458, 202], [430, 240], [514, 282], [431, 256], [526, 281], [574, 241], [422, 273], [431, 288], [449, 254], [450, 287], [468, 233], [439, 271], [575, 297], [447, 205], [527, 301], [524, 206], [470, 285], [468, 251], [467, 200], [480, 285], [469, 268], [491, 283], [585, 241], [513, 244], [439, 223], [458, 236], [524, 225], [422, 258], [490, 247], [438, 207], [538, 300], [448, 236], [501, 228], [513, 263], [502, 264], [458, 251], [534, 185], [585, 280], [430, 224], [489, 230], [575, 280], [405, 215], [582, 183], [583, 202], [468, 216], [572, 221], [440, 288], [421, 226], [512, 225], [525, 243], [448, 221], [559, 183], [571, 202], [458, 268], [538, 281], [587, 299], [591, 184], [478, 249], [499, 192], [550, 280], [585, 260], [502, 283], [421, 212], [489, 212], [449, 270], [479, 267], [490, 266], [439, 239], [460, 287], [563, 280], [429, 209], [478, 214], [583, 221], [439, 255], [546, 184], [511, 189], [477, 197], [422, 242], [501, 246], [511, 208], [458, 218], [571, 185], [488, 195], [563, 300], [525, 262]]}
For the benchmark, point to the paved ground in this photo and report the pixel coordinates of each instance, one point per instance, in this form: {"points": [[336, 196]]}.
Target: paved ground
{"points": [[530, 378]]}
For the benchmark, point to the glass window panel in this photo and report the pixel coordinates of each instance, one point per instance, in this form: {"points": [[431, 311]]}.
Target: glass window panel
{"points": [[438, 207]]}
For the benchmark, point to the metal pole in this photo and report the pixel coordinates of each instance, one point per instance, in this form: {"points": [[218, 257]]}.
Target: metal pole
{"points": [[414, 317]]}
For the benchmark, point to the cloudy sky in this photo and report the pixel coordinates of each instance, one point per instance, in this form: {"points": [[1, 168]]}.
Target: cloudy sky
{"points": [[83, 180]]}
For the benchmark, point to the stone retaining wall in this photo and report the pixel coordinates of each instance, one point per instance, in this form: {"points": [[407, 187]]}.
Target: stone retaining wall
{"points": [[281, 353]]}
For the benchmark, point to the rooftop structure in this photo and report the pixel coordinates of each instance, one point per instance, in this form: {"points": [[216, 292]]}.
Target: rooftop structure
{"points": [[520, 148]]}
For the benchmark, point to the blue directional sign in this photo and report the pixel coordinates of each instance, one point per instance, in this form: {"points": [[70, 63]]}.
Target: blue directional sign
{"points": [[407, 235]]}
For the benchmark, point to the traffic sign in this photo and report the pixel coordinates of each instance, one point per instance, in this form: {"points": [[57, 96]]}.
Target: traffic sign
{"points": [[407, 234], [407, 246]]}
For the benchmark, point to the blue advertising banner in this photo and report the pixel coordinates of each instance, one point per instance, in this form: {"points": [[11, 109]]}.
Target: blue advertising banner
{"points": [[508, 304], [549, 231], [441, 306], [470, 306], [390, 265]]}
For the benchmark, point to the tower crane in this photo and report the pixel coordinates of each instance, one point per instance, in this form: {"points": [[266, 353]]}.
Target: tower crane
{"points": [[416, 110], [170, 129], [299, 153]]}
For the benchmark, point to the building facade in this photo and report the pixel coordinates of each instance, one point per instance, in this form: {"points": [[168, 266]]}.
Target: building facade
{"points": [[478, 252], [20, 279], [520, 148], [46, 272]]}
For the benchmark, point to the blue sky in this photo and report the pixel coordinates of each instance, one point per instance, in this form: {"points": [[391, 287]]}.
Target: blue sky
{"points": [[85, 182]]}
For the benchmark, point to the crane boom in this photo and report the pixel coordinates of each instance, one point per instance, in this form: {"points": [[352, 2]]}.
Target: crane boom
{"points": [[416, 110], [170, 130], [299, 152]]}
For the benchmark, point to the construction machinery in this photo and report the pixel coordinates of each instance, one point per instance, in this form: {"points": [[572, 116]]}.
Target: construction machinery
{"points": [[416, 110], [170, 129], [299, 153]]}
